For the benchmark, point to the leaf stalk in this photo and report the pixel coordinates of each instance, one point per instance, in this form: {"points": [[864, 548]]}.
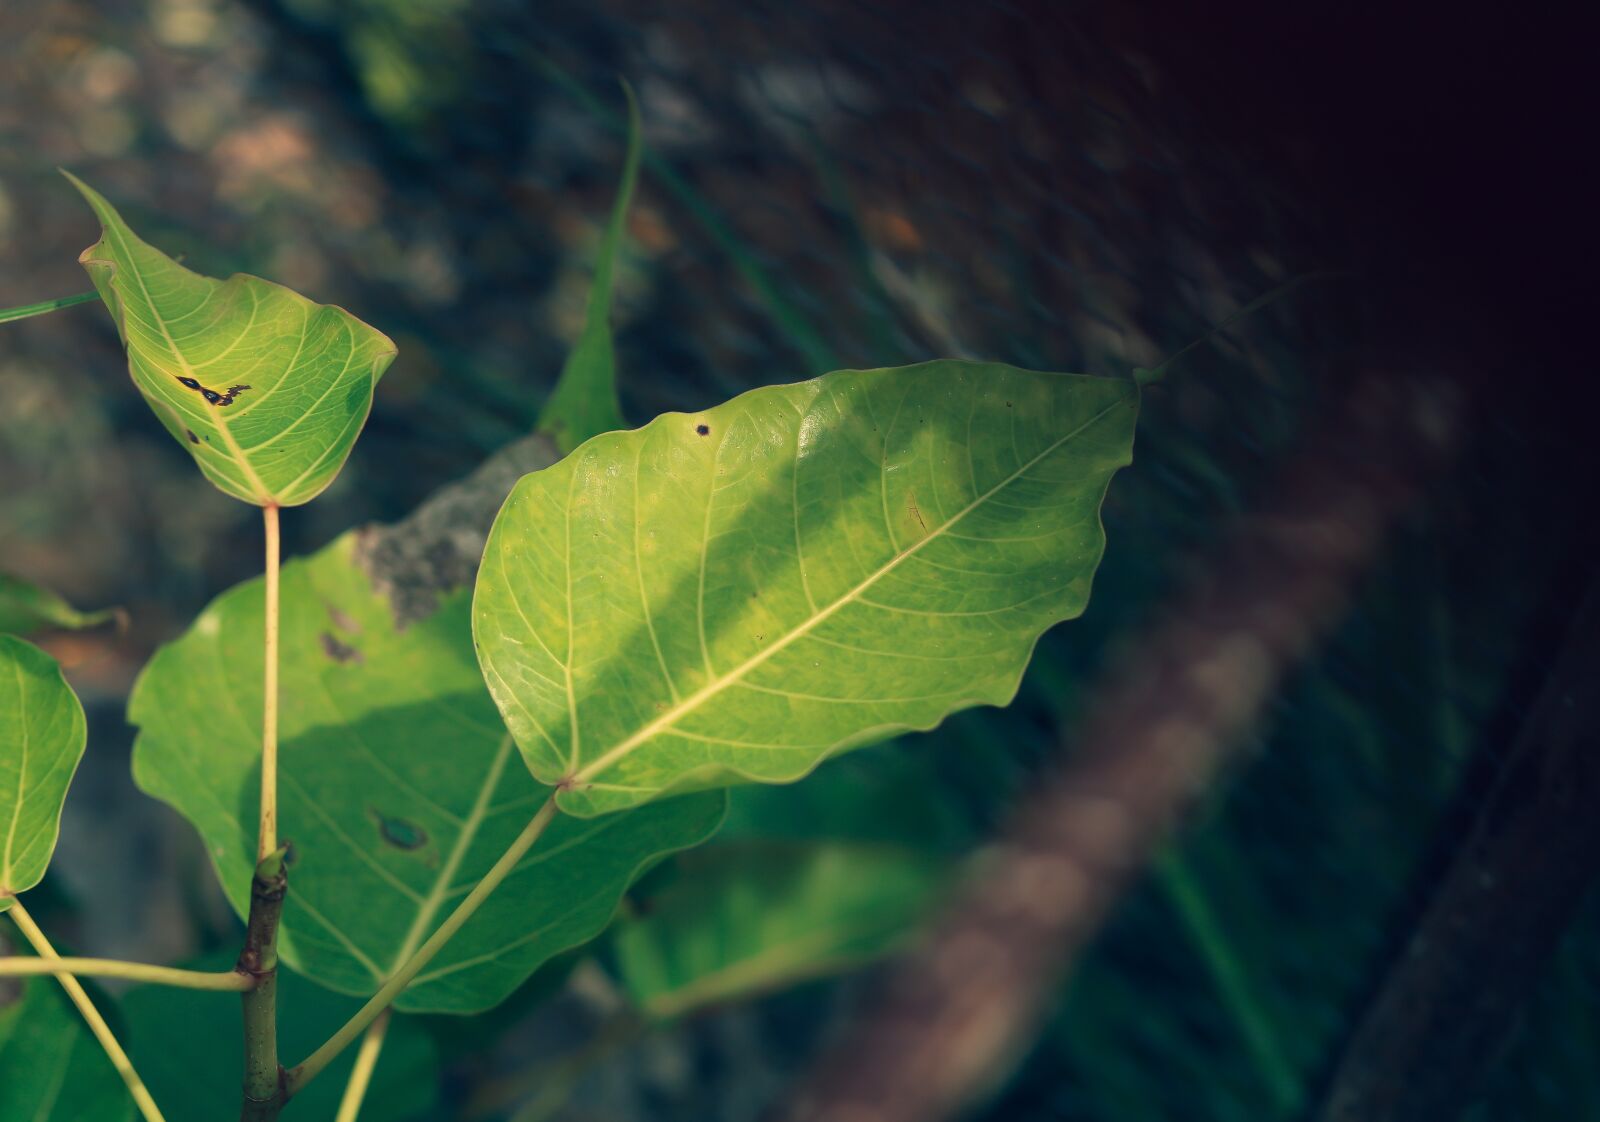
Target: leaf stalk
{"points": [[227, 981], [268, 839], [91, 1015]]}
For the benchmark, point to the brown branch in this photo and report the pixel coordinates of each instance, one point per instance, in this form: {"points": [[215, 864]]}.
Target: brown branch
{"points": [[953, 1016], [1449, 1000], [263, 1077]]}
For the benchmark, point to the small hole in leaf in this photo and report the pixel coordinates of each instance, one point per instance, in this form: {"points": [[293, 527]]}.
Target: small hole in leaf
{"points": [[193, 439], [703, 430]]}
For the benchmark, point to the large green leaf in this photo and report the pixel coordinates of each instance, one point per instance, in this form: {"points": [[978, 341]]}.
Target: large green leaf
{"points": [[584, 402], [393, 786], [26, 607], [42, 734], [744, 919], [739, 594], [264, 388], [51, 1067], [194, 1072]]}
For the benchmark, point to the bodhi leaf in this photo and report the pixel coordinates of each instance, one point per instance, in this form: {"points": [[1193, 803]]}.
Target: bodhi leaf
{"points": [[26, 608], [741, 593], [745, 919], [51, 1066], [195, 1073], [398, 786], [42, 735], [266, 389], [584, 402]]}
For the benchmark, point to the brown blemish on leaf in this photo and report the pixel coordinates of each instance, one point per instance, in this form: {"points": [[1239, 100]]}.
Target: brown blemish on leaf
{"points": [[339, 650], [193, 439], [911, 505]]}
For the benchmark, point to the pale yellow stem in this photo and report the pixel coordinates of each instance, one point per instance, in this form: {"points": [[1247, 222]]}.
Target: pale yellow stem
{"points": [[91, 1015], [268, 841], [361, 1075], [227, 981]]}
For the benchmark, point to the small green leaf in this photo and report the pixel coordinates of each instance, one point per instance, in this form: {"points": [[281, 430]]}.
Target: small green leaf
{"points": [[584, 402], [398, 787], [26, 608], [741, 593], [42, 735], [749, 918], [51, 1066], [264, 388], [195, 1072]]}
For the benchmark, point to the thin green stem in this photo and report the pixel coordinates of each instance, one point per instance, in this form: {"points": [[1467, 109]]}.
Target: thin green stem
{"points": [[268, 839], [91, 1015], [313, 1064], [1229, 975], [361, 1075], [227, 981], [46, 306]]}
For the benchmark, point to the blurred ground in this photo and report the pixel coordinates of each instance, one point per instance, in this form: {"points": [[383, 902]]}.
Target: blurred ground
{"points": [[847, 184]]}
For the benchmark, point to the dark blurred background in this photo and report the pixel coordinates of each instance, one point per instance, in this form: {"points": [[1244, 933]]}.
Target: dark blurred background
{"points": [[1071, 186]]}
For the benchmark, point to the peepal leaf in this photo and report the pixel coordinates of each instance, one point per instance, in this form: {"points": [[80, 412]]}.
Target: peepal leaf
{"points": [[266, 389], [26, 607], [42, 735], [584, 402], [741, 593], [51, 1067], [746, 919], [398, 786]]}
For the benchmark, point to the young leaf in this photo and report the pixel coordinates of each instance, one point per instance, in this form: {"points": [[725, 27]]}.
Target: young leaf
{"points": [[194, 1073], [50, 1064], [26, 608], [42, 735], [748, 918], [398, 787], [741, 593], [264, 388], [584, 402]]}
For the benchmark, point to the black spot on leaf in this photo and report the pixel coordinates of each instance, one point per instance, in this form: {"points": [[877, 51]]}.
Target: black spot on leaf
{"points": [[703, 430], [193, 439], [338, 650], [399, 832]]}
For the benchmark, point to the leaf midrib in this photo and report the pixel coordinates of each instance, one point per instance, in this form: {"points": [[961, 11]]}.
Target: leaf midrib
{"points": [[717, 685]]}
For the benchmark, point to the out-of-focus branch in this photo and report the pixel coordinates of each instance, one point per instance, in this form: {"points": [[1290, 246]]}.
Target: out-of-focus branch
{"points": [[1449, 1000], [954, 1015]]}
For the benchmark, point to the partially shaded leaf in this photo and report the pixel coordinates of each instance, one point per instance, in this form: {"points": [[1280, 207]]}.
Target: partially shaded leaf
{"points": [[741, 593], [51, 1066], [26, 607], [584, 402], [744, 919], [398, 786], [42, 735], [265, 389], [185, 1044]]}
